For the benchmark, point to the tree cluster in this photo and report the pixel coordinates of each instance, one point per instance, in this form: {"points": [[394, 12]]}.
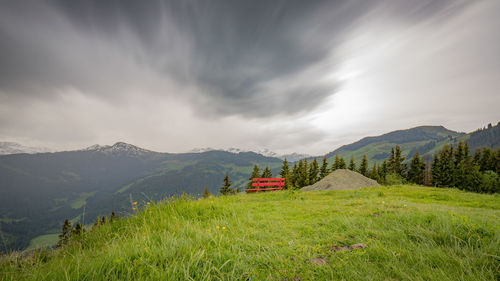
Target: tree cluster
{"points": [[455, 167], [69, 232], [452, 167]]}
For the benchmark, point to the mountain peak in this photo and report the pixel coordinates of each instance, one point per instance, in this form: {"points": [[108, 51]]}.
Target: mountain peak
{"points": [[119, 148]]}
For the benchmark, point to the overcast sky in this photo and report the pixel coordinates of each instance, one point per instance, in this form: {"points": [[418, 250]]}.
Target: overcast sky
{"points": [[303, 76]]}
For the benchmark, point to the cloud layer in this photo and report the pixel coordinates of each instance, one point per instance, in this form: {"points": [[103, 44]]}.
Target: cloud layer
{"points": [[171, 75]]}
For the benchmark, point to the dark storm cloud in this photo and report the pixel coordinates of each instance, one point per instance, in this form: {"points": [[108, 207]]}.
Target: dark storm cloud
{"points": [[244, 58]]}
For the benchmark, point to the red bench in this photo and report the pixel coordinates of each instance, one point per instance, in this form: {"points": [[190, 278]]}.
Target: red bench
{"points": [[258, 182]]}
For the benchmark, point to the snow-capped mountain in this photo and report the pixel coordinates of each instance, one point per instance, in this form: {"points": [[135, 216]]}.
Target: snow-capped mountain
{"points": [[119, 148], [200, 150], [15, 148], [292, 157]]}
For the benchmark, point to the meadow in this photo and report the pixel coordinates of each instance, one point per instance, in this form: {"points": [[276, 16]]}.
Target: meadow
{"points": [[410, 233]]}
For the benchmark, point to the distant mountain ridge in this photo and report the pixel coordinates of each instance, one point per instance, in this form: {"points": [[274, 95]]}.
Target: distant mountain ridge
{"points": [[292, 157], [16, 148], [427, 140], [120, 148]]}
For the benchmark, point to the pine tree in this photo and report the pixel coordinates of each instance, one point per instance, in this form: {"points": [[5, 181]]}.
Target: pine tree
{"points": [[477, 157], [459, 153], [382, 172], [488, 160], [417, 167], [398, 162], [363, 167], [390, 162], [206, 193], [226, 187], [336, 163], [473, 178], [295, 175], [446, 165], [436, 170], [323, 172], [266, 173], [285, 173], [352, 165], [313, 172], [374, 173], [342, 164], [65, 234], [78, 230], [255, 174], [497, 160], [305, 173], [466, 151], [395, 162]]}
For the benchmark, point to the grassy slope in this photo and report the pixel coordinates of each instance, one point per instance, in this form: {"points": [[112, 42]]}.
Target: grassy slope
{"points": [[412, 233], [408, 140], [46, 240]]}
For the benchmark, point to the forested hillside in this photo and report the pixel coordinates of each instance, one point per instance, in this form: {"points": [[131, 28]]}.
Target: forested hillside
{"points": [[427, 140], [485, 137]]}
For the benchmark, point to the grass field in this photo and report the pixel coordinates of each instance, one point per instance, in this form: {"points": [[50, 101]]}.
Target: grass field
{"points": [[411, 233], [45, 240]]}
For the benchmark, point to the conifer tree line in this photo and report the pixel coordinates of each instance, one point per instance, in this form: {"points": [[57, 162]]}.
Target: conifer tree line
{"points": [[452, 167], [68, 232], [456, 167]]}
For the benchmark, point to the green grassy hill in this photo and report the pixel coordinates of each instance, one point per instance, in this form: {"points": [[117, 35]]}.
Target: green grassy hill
{"points": [[427, 140], [410, 233]]}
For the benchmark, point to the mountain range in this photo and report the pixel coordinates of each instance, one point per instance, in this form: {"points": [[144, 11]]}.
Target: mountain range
{"points": [[15, 148], [38, 191], [292, 157]]}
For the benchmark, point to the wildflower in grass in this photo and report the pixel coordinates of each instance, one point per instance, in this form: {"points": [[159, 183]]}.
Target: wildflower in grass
{"points": [[135, 202], [223, 228], [134, 208], [218, 227], [148, 203]]}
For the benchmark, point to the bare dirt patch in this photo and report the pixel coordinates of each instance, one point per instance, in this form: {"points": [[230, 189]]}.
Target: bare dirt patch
{"points": [[346, 248]]}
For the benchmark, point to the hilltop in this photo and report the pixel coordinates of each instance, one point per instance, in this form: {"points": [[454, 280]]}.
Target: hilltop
{"points": [[427, 140], [378, 233]]}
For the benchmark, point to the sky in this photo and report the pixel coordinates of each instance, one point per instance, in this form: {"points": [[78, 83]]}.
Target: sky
{"points": [[289, 76]]}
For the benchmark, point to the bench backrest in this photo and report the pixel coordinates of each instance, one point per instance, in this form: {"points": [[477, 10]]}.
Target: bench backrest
{"points": [[258, 182]]}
